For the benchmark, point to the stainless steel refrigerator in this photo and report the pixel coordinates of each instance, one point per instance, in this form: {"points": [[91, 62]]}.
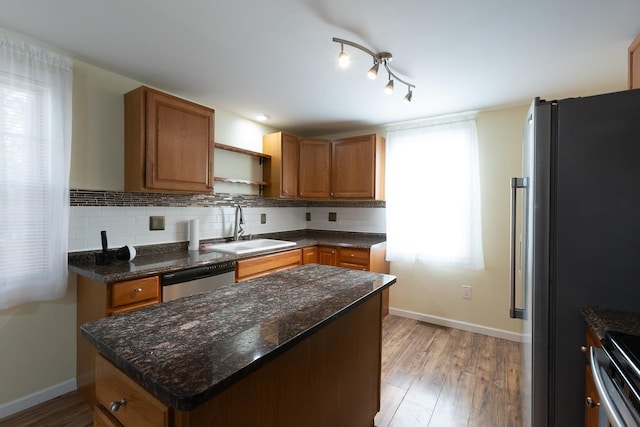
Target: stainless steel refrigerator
{"points": [[579, 240]]}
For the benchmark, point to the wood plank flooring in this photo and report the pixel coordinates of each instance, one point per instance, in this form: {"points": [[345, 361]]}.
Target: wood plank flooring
{"points": [[431, 376], [434, 376]]}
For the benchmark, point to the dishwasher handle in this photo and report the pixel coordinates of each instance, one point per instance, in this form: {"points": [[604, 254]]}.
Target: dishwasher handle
{"points": [[194, 273]]}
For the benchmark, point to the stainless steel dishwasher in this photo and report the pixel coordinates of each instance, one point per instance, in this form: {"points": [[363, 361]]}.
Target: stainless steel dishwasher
{"points": [[182, 283]]}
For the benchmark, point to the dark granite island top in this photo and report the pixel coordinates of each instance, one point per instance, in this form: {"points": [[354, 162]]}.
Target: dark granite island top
{"points": [[188, 350]]}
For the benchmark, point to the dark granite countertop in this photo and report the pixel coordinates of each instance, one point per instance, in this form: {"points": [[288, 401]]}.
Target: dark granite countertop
{"points": [[186, 351], [602, 320], [156, 259]]}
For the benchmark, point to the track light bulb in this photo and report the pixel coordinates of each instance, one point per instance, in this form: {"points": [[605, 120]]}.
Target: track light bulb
{"points": [[373, 71], [343, 58], [388, 89]]}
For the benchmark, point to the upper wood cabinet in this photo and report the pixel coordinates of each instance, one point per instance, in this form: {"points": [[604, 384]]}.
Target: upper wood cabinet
{"points": [[282, 169], [634, 64], [357, 168], [169, 143], [315, 166], [347, 168]]}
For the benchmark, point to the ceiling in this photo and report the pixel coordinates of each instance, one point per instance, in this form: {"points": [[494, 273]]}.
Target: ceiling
{"points": [[277, 56]]}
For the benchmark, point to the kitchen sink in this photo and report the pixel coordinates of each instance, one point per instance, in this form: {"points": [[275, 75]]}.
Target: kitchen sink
{"points": [[242, 247]]}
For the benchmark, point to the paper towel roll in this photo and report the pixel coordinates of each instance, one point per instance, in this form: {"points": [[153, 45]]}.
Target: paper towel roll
{"points": [[194, 234]]}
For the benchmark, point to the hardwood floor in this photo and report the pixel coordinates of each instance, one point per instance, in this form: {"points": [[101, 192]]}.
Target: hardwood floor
{"points": [[68, 410], [435, 376], [431, 376]]}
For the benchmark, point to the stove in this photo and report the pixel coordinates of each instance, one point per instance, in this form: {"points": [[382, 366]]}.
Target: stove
{"points": [[616, 369], [624, 369]]}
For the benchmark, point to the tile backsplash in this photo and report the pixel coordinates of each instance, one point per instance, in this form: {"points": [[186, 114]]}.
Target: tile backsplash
{"points": [[125, 217]]}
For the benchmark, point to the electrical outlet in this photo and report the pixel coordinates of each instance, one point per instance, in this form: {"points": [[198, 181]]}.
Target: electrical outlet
{"points": [[308, 216], [156, 222], [263, 218], [332, 216], [466, 291]]}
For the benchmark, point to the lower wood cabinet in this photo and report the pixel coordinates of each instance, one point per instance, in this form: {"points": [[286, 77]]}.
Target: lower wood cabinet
{"points": [[96, 300], [266, 264], [310, 255], [591, 399], [122, 401], [327, 255]]}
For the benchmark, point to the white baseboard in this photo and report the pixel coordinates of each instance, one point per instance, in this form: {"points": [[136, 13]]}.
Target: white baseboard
{"points": [[40, 396], [456, 324]]}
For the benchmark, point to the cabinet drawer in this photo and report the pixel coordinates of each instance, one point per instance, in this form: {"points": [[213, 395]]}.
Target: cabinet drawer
{"points": [[102, 418], [135, 291], [139, 409], [262, 265], [354, 256]]}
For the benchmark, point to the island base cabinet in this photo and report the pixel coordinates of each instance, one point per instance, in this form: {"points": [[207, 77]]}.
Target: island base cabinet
{"points": [[121, 401], [332, 378]]}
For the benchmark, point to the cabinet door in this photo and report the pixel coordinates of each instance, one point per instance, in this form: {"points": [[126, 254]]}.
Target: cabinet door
{"points": [[281, 170], [327, 255], [310, 255], [357, 168], [315, 166], [179, 144], [634, 64]]}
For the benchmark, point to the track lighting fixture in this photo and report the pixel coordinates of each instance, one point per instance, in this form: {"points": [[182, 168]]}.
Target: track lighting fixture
{"points": [[378, 58], [388, 89], [408, 96]]}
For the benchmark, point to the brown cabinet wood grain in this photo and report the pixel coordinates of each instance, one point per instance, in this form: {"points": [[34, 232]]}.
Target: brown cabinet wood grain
{"points": [[315, 167], [327, 255], [347, 168], [266, 264], [95, 300], [137, 406], [281, 170], [169, 143], [310, 255], [634, 64], [357, 167], [591, 399]]}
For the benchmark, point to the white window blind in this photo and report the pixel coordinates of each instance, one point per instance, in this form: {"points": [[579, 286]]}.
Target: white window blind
{"points": [[35, 147], [433, 195]]}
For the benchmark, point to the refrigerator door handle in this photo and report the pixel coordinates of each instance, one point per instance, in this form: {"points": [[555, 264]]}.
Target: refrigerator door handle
{"points": [[516, 183]]}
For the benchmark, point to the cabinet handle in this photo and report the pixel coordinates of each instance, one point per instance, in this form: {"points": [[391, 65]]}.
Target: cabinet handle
{"points": [[583, 348], [114, 406], [138, 290], [591, 403]]}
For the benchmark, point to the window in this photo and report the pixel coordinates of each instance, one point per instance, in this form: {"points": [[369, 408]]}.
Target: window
{"points": [[35, 144], [433, 195]]}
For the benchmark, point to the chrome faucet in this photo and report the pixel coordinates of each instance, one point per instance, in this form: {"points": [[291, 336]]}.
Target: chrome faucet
{"points": [[237, 225]]}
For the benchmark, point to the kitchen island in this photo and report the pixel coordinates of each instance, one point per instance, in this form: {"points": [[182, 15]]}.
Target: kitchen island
{"points": [[297, 347]]}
